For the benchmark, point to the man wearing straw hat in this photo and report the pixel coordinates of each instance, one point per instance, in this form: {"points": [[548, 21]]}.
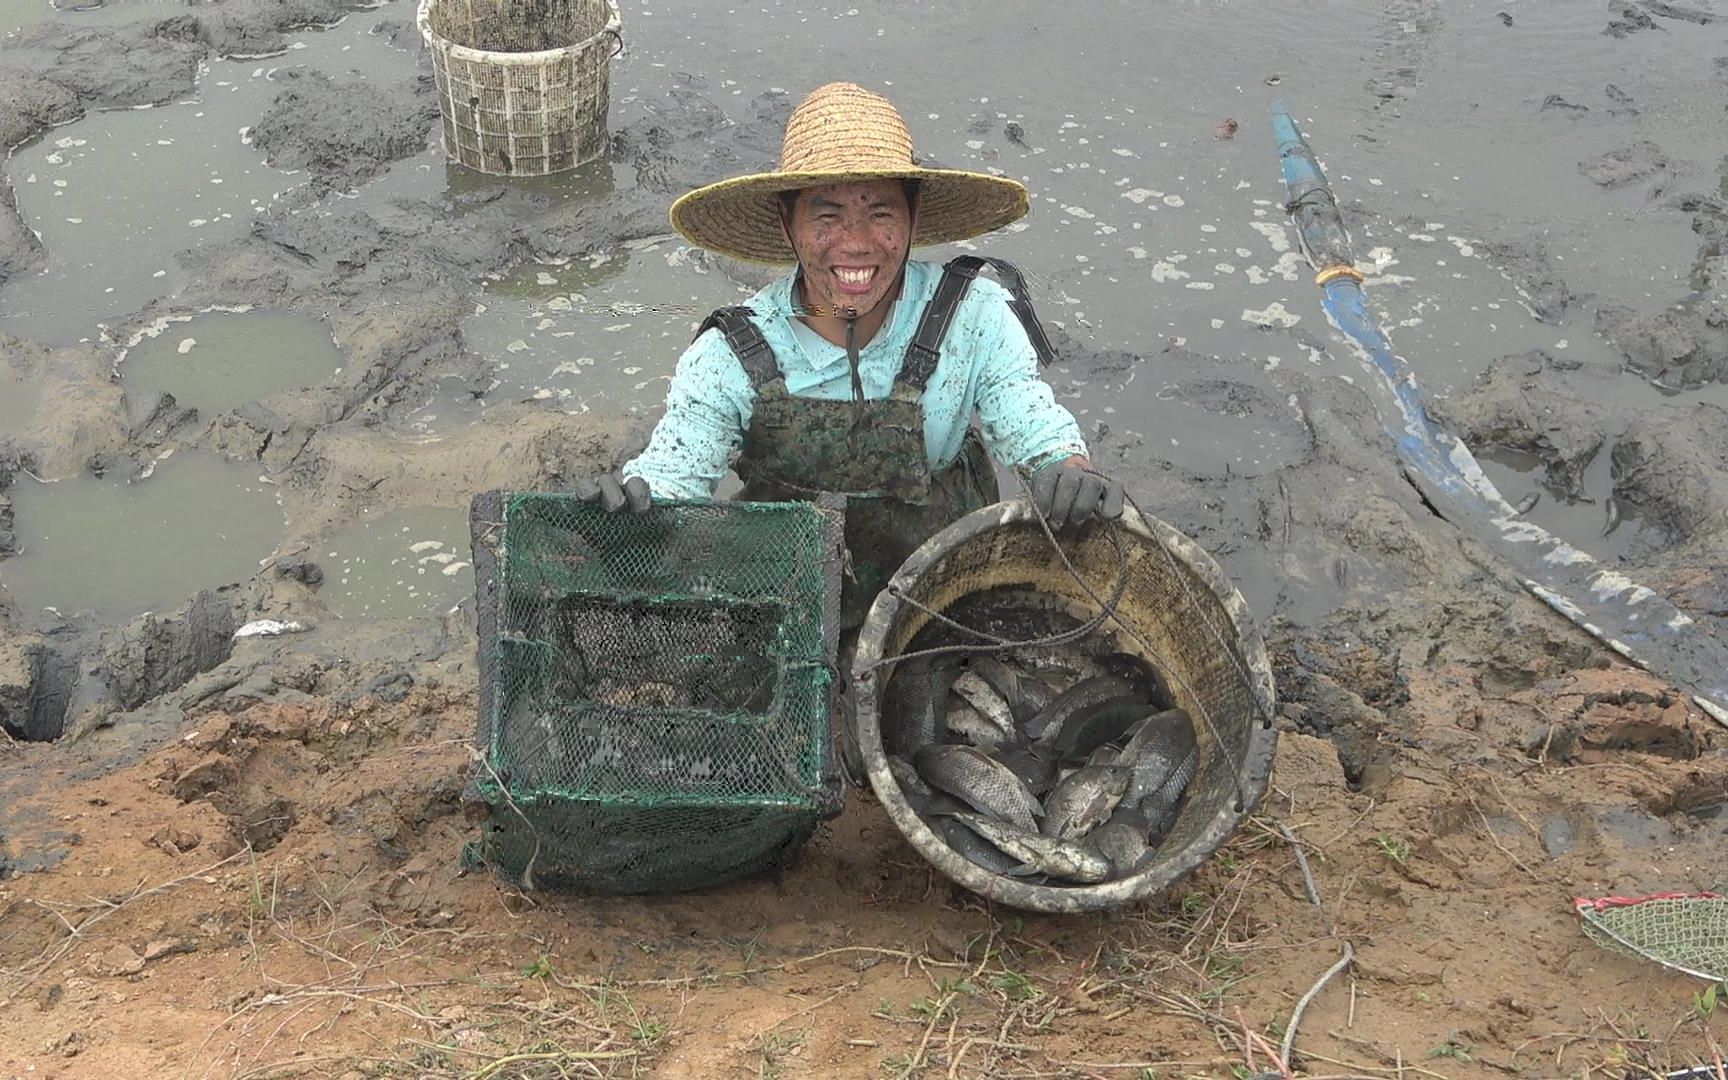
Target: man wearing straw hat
{"points": [[859, 372]]}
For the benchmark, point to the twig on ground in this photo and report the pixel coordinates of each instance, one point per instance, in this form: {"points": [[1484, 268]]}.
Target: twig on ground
{"points": [[50, 956], [1488, 831], [499, 1064], [1302, 864], [1306, 999]]}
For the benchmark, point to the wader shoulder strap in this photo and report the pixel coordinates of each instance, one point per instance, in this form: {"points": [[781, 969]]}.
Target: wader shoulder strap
{"points": [[747, 343], [1021, 305], [957, 276]]}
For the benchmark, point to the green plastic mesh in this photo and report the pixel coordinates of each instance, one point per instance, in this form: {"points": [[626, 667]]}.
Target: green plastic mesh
{"points": [[1684, 931], [656, 690]]}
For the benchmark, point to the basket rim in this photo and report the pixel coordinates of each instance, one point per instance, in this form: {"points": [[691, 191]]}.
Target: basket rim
{"points": [[1256, 759], [440, 44]]}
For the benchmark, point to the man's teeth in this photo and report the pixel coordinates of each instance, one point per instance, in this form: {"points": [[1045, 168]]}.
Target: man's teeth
{"points": [[854, 277]]}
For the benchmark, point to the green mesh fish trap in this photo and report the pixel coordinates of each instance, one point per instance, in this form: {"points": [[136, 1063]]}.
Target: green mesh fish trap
{"points": [[656, 690]]}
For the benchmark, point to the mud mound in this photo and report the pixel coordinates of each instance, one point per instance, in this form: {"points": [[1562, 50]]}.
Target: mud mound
{"points": [[1515, 404], [344, 131]]}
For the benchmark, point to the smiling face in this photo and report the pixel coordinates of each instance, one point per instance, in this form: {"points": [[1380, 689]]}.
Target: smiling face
{"points": [[851, 240]]}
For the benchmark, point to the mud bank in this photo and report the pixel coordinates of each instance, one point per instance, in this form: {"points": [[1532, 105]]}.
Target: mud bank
{"points": [[1456, 760]]}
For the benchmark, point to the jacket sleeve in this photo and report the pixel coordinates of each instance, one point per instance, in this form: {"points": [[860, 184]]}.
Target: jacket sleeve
{"points": [[1021, 421], [708, 407]]}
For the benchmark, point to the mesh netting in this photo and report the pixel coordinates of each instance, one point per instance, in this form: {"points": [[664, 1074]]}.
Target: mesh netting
{"points": [[655, 689], [1684, 931]]}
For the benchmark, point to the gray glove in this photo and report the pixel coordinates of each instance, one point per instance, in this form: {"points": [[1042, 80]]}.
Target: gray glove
{"points": [[614, 493], [1070, 494]]}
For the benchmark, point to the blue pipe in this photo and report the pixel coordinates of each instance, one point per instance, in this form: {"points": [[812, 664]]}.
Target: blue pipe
{"points": [[1629, 618]]}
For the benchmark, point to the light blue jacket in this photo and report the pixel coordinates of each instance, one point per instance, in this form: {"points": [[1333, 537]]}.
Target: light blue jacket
{"points": [[987, 366]]}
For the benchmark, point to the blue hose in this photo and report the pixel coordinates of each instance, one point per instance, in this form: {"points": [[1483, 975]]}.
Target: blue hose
{"points": [[1627, 617]]}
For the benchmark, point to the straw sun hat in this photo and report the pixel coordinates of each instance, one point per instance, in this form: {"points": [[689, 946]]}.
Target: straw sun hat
{"points": [[841, 134]]}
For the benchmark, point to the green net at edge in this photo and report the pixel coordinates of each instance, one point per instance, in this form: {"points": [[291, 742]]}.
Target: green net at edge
{"points": [[1687, 932], [656, 689]]}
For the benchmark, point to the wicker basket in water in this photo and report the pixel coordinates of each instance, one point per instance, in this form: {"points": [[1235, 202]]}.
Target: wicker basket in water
{"points": [[522, 84], [1177, 612]]}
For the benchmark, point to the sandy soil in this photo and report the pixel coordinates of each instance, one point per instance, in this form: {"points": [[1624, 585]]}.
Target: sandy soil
{"points": [[276, 894]]}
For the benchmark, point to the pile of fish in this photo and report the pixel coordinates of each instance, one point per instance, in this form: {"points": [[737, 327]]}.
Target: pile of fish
{"points": [[1058, 767]]}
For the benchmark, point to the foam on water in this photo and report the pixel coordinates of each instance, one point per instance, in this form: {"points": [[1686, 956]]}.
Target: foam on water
{"points": [[397, 564]]}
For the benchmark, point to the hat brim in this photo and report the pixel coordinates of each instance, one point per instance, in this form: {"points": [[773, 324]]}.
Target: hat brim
{"points": [[741, 217]]}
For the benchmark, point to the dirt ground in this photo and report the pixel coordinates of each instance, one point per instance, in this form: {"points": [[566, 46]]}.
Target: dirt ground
{"points": [[277, 893]]}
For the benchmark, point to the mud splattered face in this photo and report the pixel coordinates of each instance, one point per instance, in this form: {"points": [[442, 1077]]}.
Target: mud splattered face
{"points": [[851, 240]]}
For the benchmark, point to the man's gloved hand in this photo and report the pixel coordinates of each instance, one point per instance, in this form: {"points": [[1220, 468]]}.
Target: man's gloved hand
{"points": [[614, 493], [1068, 493]]}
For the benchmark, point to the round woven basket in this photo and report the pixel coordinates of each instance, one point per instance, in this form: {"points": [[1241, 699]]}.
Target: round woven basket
{"points": [[1178, 612], [522, 84]]}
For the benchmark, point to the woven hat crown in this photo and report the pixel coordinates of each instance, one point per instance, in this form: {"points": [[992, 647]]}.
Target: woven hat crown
{"points": [[844, 127], [842, 133]]}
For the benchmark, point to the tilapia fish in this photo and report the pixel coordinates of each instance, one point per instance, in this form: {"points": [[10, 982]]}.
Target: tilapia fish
{"points": [[1091, 714], [964, 720], [980, 781], [1161, 755], [907, 777], [1121, 843], [1037, 853], [1086, 694], [1026, 696], [918, 699], [969, 845], [1160, 806], [1083, 800], [974, 691], [1036, 769]]}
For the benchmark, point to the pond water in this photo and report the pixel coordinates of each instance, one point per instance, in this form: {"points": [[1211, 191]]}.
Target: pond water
{"points": [[398, 564], [121, 548], [1449, 134], [601, 334], [117, 195], [222, 360], [18, 400]]}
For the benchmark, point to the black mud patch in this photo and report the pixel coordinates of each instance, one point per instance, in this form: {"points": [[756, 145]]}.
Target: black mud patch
{"points": [[1670, 467], [1679, 349], [1516, 404], [344, 132]]}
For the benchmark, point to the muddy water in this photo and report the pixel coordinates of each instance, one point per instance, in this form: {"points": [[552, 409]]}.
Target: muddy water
{"points": [[597, 334], [222, 360], [1148, 232], [1147, 229], [18, 398], [117, 195], [16, 15], [398, 564], [119, 548]]}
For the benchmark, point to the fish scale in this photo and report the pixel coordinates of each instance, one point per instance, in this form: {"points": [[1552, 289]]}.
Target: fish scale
{"points": [[1155, 753], [980, 781], [1026, 695], [1083, 800], [1087, 694], [973, 690], [1038, 853]]}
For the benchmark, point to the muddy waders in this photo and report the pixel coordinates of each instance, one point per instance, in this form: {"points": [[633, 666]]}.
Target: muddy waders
{"points": [[872, 452]]}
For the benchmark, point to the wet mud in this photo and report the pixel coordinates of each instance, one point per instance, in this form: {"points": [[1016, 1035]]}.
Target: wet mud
{"points": [[1450, 744]]}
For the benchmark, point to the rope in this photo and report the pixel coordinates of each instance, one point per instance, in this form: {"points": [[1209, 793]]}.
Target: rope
{"points": [[1165, 666], [1107, 612], [1002, 644]]}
